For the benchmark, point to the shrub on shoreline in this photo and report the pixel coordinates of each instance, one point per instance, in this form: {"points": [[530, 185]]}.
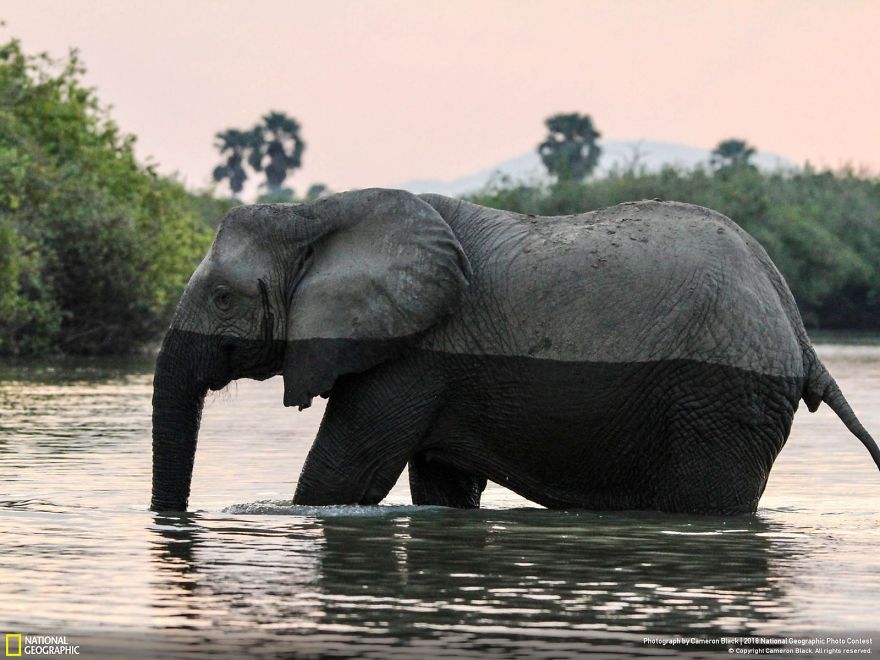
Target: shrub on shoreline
{"points": [[94, 247]]}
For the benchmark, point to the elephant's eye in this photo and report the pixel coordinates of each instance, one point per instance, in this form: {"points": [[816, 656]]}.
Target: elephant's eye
{"points": [[222, 297]]}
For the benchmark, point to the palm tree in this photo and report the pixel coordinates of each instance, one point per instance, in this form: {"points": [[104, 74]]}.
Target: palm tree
{"points": [[236, 143], [281, 145], [570, 151]]}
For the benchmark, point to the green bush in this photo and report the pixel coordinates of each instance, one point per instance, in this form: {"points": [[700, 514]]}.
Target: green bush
{"points": [[822, 229], [94, 247]]}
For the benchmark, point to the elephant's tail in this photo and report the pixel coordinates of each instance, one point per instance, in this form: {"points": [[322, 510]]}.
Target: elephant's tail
{"points": [[820, 386]]}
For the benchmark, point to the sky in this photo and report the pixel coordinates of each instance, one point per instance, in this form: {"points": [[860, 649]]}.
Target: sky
{"points": [[389, 90]]}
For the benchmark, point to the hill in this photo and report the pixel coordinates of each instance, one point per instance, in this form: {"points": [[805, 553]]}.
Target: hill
{"points": [[616, 154]]}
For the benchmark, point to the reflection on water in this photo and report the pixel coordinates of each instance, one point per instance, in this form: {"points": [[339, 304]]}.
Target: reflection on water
{"points": [[356, 583], [81, 555]]}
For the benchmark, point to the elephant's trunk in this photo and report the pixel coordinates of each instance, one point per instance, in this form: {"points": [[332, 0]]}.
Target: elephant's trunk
{"points": [[178, 397]]}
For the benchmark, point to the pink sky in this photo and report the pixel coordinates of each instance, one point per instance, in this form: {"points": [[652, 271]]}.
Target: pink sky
{"points": [[388, 91]]}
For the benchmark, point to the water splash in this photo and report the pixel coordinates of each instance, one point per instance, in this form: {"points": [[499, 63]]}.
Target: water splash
{"points": [[288, 508]]}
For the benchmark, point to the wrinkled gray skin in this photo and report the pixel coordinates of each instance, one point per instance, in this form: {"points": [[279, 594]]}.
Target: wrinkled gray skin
{"points": [[645, 356]]}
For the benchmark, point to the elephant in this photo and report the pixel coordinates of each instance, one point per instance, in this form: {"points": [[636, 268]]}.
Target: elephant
{"points": [[644, 356]]}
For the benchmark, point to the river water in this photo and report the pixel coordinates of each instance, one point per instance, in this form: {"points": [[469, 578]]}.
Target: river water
{"points": [[246, 574]]}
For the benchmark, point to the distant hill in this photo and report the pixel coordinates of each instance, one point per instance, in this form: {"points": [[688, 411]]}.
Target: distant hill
{"points": [[615, 153]]}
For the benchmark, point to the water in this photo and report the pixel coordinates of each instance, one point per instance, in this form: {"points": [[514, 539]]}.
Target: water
{"points": [[247, 574]]}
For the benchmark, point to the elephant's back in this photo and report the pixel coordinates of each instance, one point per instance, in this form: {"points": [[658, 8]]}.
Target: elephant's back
{"points": [[641, 282]]}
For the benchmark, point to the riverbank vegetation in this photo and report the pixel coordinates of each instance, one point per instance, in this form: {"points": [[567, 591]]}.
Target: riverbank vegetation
{"points": [[95, 247]]}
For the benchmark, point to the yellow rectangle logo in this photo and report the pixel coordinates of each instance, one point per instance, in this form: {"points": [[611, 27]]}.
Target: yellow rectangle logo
{"points": [[13, 650]]}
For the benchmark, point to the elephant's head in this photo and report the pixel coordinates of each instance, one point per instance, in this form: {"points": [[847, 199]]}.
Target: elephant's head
{"points": [[310, 291]]}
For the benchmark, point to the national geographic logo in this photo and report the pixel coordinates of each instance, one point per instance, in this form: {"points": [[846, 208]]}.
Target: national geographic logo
{"points": [[13, 645], [18, 645]]}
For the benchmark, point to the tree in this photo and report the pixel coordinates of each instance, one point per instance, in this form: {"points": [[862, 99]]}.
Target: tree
{"points": [[237, 144], [274, 147], [570, 151], [279, 149], [732, 154], [95, 248], [317, 191]]}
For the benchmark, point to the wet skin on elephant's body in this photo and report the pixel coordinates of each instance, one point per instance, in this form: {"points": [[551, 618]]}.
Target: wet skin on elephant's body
{"points": [[639, 437], [645, 356], [537, 405]]}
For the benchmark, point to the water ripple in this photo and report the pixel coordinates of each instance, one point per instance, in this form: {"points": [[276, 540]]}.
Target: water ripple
{"points": [[82, 555]]}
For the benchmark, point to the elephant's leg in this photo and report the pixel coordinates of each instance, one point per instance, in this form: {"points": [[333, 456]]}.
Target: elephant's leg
{"points": [[722, 435], [372, 426], [433, 482]]}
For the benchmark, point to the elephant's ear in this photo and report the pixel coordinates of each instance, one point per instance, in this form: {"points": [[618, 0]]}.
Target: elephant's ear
{"points": [[384, 269]]}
